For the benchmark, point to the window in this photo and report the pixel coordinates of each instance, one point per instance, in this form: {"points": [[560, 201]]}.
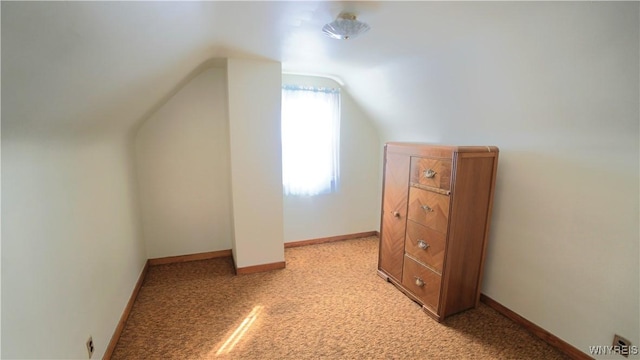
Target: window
{"points": [[310, 140]]}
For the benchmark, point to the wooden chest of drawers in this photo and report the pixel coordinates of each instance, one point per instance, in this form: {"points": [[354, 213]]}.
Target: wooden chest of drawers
{"points": [[436, 211]]}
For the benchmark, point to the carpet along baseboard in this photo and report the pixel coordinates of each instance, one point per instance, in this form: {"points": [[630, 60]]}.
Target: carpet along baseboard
{"points": [[536, 330], [330, 239], [125, 314]]}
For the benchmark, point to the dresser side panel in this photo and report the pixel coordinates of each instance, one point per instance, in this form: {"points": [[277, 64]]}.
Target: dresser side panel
{"points": [[471, 200]]}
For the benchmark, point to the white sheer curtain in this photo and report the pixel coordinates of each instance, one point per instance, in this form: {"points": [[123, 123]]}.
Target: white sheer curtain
{"points": [[310, 140]]}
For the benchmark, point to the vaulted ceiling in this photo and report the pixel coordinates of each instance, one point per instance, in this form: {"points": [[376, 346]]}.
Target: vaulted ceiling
{"points": [[104, 66]]}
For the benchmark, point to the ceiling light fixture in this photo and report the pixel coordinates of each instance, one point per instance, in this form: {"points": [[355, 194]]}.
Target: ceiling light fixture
{"points": [[345, 27]]}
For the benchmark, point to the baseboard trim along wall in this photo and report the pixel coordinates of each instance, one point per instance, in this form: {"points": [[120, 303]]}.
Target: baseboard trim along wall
{"points": [[191, 257], [330, 239], [536, 330], [260, 268], [125, 314]]}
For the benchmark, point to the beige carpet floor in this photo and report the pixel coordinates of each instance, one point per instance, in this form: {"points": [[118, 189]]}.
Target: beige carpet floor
{"points": [[328, 303]]}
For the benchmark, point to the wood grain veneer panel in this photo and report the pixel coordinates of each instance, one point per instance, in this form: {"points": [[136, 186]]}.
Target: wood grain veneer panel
{"points": [[429, 292], [429, 209], [433, 255], [394, 214], [466, 243], [441, 172]]}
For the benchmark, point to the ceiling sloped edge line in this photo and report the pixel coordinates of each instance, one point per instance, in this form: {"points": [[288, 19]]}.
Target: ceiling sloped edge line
{"points": [[215, 62]]}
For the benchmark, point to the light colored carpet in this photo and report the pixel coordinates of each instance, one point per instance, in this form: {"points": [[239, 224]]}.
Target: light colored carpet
{"points": [[327, 304]]}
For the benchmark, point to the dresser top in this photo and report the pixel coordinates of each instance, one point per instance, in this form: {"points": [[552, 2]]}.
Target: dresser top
{"points": [[426, 149]]}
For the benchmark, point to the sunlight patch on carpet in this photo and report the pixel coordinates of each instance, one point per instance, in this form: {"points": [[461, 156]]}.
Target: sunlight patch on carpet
{"points": [[240, 331]]}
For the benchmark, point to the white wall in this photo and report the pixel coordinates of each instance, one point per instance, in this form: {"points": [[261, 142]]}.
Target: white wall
{"points": [[183, 170], [71, 242], [356, 206], [555, 86], [256, 166]]}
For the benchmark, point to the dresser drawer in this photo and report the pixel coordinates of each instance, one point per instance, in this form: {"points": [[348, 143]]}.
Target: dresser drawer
{"points": [[425, 244], [422, 282], [431, 172], [429, 209]]}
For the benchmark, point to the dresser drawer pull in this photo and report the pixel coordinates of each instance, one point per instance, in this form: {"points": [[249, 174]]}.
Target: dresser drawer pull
{"points": [[422, 245], [419, 282], [429, 173], [395, 214], [426, 208]]}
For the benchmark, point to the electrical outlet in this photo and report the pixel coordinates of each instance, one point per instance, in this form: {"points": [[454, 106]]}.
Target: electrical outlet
{"points": [[90, 346], [621, 345]]}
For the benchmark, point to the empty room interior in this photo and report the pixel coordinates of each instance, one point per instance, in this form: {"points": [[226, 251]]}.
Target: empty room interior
{"points": [[139, 135]]}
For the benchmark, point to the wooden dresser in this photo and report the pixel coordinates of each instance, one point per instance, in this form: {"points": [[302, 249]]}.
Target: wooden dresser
{"points": [[436, 211]]}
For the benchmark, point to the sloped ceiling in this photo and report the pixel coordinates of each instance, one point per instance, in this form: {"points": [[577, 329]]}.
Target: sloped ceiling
{"points": [[73, 67]]}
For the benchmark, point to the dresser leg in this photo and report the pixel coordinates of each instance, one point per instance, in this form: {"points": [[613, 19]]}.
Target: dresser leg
{"points": [[384, 276]]}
